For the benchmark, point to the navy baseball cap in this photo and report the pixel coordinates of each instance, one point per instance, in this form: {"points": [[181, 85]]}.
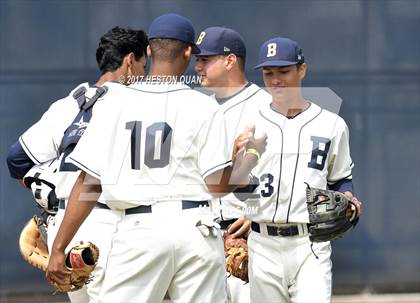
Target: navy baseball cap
{"points": [[218, 40], [280, 52], [173, 26]]}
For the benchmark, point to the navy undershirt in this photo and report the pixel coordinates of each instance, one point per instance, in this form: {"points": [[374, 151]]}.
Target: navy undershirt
{"points": [[18, 161]]}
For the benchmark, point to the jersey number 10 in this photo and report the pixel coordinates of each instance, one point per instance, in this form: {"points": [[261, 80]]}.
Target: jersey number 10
{"points": [[157, 144]]}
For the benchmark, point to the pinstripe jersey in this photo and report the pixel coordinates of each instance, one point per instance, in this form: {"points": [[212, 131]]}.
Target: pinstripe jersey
{"points": [[42, 140], [153, 142], [239, 111], [312, 147]]}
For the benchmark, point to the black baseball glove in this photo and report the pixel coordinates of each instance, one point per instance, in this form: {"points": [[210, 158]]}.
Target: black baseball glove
{"points": [[328, 214]]}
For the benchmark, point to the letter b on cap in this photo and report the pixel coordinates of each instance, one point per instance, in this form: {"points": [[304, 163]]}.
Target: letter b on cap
{"points": [[271, 49]]}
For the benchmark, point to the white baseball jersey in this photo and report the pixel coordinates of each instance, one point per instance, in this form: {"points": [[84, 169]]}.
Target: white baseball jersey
{"points": [[153, 142], [42, 140], [312, 147], [239, 111]]}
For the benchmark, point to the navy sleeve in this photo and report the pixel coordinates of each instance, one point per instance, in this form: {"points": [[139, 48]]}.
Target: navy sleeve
{"points": [[18, 161], [342, 186]]}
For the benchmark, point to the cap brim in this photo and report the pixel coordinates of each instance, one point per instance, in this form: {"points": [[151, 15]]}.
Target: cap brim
{"points": [[204, 52], [195, 49], [275, 63]]}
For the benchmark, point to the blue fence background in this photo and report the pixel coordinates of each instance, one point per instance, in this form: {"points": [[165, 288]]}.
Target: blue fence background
{"points": [[368, 52]]}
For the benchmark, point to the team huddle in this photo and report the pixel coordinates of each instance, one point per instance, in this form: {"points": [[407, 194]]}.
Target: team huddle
{"points": [[157, 174]]}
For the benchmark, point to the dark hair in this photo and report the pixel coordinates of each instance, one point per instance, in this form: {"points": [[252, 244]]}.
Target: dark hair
{"points": [[118, 43], [167, 49]]}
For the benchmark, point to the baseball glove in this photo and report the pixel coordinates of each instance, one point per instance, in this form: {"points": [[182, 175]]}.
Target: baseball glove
{"points": [[33, 243], [236, 253], [81, 261], [328, 214]]}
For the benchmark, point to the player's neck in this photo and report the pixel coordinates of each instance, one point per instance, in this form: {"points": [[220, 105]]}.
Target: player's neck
{"points": [[231, 87], [166, 69], [109, 76], [289, 107]]}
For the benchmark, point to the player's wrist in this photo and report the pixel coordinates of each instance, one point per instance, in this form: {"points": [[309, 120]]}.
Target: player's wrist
{"points": [[348, 194], [58, 247], [253, 152]]}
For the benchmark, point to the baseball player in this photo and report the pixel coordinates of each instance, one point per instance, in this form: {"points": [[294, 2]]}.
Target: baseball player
{"points": [[311, 145], [221, 67], [153, 157], [41, 152]]}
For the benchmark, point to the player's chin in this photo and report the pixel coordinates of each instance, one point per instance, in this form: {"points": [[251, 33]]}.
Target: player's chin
{"points": [[205, 81], [277, 91]]}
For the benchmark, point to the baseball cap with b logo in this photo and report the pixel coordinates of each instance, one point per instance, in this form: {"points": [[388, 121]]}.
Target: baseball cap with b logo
{"points": [[173, 26], [218, 40], [280, 52]]}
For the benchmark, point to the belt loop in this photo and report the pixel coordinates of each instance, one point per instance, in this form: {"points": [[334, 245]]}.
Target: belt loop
{"points": [[263, 229], [305, 229]]}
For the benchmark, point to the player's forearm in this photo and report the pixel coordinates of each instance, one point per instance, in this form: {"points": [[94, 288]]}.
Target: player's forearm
{"points": [[225, 181], [82, 200], [218, 182], [20, 181], [241, 171]]}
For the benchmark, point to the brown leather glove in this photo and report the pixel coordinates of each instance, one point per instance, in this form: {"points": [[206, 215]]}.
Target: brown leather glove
{"points": [[236, 253], [33, 244], [81, 260]]}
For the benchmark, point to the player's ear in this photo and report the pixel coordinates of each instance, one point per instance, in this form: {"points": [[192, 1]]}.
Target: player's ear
{"points": [[131, 58], [302, 70], [230, 61], [188, 53], [128, 61], [149, 51]]}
